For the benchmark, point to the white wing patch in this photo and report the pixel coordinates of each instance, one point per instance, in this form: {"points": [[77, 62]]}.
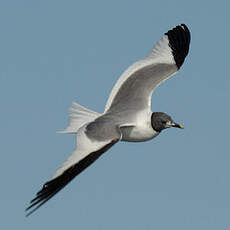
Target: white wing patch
{"points": [[161, 53]]}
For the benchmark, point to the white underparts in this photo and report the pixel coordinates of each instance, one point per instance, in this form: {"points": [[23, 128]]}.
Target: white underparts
{"points": [[141, 130]]}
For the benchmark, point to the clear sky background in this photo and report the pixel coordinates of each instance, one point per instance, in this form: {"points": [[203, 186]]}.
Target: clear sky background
{"points": [[55, 52]]}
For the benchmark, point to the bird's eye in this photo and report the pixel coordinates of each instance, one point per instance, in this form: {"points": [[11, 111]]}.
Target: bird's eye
{"points": [[164, 122]]}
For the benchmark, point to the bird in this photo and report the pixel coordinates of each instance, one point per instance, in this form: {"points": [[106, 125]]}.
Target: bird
{"points": [[127, 115]]}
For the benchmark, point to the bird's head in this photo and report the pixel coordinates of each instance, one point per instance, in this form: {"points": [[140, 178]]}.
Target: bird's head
{"points": [[162, 121]]}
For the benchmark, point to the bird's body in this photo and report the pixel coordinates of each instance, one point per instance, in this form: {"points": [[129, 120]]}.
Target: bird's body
{"points": [[136, 127], [142, 131], [127, 115]]}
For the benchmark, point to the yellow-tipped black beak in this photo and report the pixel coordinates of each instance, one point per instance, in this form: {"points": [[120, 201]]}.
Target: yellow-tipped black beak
{"points": [[178, 126]]}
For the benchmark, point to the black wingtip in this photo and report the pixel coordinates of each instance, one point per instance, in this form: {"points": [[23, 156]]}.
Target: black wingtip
{"points": [[179, 40], [53, 186]]}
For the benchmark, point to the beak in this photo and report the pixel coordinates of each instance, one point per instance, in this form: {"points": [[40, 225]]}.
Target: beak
{"points": [[178, 126]]}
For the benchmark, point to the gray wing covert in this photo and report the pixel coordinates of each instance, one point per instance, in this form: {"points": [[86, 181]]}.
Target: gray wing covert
{"points": [[135, 93], [134, 88]]}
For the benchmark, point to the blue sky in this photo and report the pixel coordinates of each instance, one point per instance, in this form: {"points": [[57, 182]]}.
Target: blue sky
{"points": [[56, 52]]}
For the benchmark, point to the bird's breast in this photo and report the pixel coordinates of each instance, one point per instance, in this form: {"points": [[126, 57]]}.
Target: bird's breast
{"points": [[137, 133]]}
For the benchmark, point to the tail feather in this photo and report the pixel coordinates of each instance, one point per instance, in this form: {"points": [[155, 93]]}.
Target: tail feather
{"points": [[78, 116], [80, 108]]}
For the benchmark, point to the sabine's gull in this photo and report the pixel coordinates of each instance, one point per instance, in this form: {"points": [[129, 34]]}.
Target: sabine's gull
{"points": [[127, 115]]}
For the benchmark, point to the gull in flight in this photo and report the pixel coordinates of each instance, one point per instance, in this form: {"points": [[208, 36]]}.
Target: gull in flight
{"points": [[127, 115]]}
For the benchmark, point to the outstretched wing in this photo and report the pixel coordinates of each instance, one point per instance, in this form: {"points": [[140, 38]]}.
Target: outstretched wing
{"points": [[135, 86], [86, 153]]}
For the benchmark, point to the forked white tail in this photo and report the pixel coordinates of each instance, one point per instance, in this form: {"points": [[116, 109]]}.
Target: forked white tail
{"points": [[78, 116]]}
